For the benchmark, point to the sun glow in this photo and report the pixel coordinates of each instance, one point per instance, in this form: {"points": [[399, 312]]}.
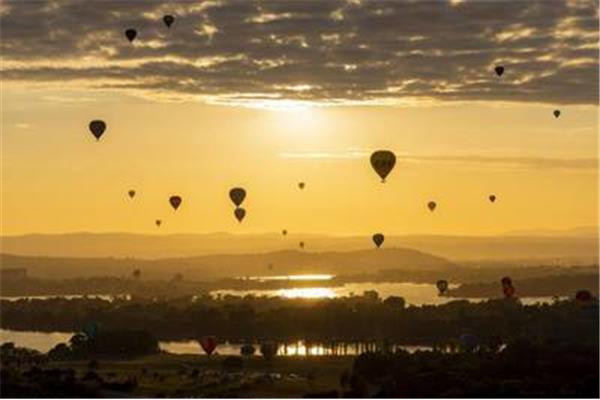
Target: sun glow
{"points": [[307, 293]]}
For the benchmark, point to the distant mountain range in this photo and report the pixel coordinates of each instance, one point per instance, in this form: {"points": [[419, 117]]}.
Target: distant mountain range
{"points": [[282, 262], [578, 245]]}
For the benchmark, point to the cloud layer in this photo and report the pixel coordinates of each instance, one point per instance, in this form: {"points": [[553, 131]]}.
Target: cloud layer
{"points": [[458, 160], [332, 52]]}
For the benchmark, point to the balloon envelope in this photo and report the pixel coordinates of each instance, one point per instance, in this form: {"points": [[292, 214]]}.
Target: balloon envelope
{"points": [[208, 344], [431, 205], [237, 195], [158, 222], [97, 127], [301, 245], [239, 213], [442, 285], [168, 20], [468, 342], [91, 330], [378, 239], [383, 162], [130, 34], [556, 113], [583, 296], [301, 185], [175, 202], [499, 70], [507, 287], [284, 232], [492, 197], [131, 193], [506, 281], [268, 349]]}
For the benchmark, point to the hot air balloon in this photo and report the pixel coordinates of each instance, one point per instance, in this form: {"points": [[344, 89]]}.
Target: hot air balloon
{"points": [[168, 20], [507, 287], [499, 70], [583, 296], [492, 198], [378, 239], [383, 162], [175, 202], [556, 113], [237, 195], [284, 232], [131, 193], [468, 342], [208, 344], [442, 285], [130, 34], [239, 213], [247, 350], [97, 127], [301, 185], [158, 222], [301, 245], [506, 281], [431, 205], [90, 330], [268, 349]]}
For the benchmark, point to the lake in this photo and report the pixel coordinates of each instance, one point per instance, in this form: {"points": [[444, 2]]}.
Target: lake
{"points": [[414, 293], [43, 341]]}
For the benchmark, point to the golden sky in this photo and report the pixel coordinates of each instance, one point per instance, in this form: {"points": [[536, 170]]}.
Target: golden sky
{"points": [[197, 133]]}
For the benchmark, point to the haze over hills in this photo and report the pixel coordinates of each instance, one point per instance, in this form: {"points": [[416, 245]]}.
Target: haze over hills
{"points": [[578, 245], [231, 265]]}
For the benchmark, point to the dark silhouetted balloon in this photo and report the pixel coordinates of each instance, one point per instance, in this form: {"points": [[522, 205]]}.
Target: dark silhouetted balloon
{"points": [[507, 287], [468, 342], [284, 232], [239, 213], [237, 195], [247, 350], [97, 127], [131, 193], [268, 350], [301, 185], [556, 113], [301, 245], [158, 222], [91, 330], [492, 197], [130, 34], [208, 344], [431, 205], [583, 296], [442, 285], [168, 20], [378, 239], [175, 202], [383, 162], [499, 70]]}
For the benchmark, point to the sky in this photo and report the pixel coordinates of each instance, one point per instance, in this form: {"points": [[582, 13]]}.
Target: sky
{"points": [[266, 94]]}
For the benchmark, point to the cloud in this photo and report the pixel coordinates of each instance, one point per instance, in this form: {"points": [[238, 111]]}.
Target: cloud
{"points": [[457, 160], [340, 52], [324, 155]]}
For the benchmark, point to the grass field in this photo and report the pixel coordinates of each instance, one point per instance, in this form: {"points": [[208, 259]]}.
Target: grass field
{"points": [[167, 375]]}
